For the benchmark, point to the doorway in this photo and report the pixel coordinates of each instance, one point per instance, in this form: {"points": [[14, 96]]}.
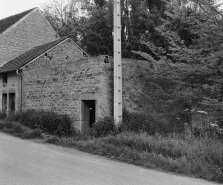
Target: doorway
{"points": [[88, 112]]}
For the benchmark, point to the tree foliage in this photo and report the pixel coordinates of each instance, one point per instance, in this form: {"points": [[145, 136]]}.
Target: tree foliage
{"points": [[90, 22], [191, 54]]}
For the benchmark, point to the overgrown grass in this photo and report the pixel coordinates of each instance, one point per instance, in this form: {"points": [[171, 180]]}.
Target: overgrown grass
{"points": [[19, 130], [201, 158]]}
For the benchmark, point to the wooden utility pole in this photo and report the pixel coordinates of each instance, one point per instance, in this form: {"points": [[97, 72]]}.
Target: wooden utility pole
{"points": [[117, 63]]}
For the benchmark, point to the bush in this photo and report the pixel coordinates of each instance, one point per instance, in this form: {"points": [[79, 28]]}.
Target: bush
{"points": [[139, 122], [3, 115], [14, 116], [36, 133], [53, 140], [2, 125], [104, 127], [47, 121], [9, 125], [18, 129]]}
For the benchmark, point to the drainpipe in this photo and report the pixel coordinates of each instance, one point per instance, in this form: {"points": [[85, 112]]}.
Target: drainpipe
{"points": [[17, 72]]}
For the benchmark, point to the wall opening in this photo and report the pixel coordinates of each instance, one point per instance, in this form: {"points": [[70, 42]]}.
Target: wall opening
{"points": [[12, 102], [5, 78], [4, 102], [88, 112]]}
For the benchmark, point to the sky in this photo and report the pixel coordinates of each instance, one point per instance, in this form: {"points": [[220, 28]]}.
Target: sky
{"points": [[12, 7]]}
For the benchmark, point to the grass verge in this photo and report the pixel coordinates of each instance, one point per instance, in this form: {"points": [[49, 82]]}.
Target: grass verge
{"points": [[21, 131], [200, 158], [197, 157]]}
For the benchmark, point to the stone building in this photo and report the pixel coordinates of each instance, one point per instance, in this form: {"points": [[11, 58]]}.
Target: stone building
{"points": [[42, 71]]}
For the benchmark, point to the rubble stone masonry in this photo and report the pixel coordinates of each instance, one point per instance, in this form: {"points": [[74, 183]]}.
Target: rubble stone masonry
{"points": [[61, 78]]}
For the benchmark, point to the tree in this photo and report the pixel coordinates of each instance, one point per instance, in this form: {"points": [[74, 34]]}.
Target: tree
{"points": [[191, 54], [63, 15]]}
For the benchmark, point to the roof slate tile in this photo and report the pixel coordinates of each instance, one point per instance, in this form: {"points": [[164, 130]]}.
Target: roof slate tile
{"points": [[9, 21]]}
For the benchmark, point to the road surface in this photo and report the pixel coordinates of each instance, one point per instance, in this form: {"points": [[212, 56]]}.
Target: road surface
{"points": [[24, 162]]}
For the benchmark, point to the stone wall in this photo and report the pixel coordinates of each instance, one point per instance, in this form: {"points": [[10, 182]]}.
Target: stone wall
{"points": [[135, 73], [61, 78], [33, 31]]}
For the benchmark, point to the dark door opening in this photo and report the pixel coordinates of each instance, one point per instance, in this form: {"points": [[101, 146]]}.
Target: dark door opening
{"points": [[4, 102], [12, 102], [88, 114]]}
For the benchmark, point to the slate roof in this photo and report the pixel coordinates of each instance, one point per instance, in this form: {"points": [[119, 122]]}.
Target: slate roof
{"points": [[9, 21], [28, 56]]}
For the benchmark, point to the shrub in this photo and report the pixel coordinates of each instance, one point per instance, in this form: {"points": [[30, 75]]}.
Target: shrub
{"points": [[14, 116], [47, 121], [2, 125], [65, 126], [9, 125], [3, 115], [53, 140], [18, 129], [36, 133], [104, 127]]}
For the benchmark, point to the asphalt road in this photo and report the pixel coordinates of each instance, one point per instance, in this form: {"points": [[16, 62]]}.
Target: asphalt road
{"points": [[25, 162]]}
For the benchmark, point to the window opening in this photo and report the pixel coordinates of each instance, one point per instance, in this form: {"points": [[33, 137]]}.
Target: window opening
{"points": [[4, 102], [5, 78]]}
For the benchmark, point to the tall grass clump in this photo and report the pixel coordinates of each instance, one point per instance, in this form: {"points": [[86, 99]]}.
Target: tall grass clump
{"points": [[47, 121]]}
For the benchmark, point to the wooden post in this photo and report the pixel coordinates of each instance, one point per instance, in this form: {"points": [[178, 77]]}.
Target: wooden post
{"points": [[117, 63]]}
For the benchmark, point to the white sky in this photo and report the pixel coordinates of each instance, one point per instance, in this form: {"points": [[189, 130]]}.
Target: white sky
{"points": [[12, 7]]}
